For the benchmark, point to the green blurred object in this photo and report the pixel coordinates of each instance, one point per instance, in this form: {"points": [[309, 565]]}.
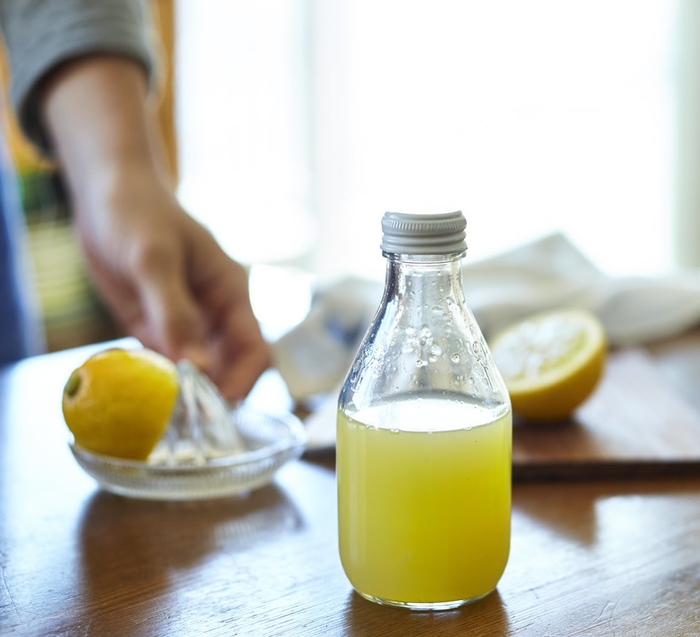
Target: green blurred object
{"points": [[72, 312]]}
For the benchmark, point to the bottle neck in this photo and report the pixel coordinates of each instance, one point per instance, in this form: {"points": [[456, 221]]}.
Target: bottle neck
{"points": [[423, 279]]}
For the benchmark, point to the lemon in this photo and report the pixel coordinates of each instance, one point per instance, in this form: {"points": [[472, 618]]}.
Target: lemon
{"points": [[118, 402], [551, 362]]}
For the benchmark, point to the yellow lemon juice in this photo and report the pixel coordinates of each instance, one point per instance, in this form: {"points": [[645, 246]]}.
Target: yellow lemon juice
{"points": [[424, 500]]}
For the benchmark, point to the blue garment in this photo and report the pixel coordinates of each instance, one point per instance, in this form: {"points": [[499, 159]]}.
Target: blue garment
{"points": [[17, 327]]}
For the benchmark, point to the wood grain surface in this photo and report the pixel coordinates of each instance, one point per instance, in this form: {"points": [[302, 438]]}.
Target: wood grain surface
{"points": [[635, 425], [600, 557]]}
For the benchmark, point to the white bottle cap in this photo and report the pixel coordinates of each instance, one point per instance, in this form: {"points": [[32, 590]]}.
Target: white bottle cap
{"points": [[424, 233]]}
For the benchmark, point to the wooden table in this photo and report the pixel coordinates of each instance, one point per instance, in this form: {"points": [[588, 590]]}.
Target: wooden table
{"points": [[588, 558]]}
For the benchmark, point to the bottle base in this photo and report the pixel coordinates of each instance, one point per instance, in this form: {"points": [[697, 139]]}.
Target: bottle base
{"points": [[424, 606]]}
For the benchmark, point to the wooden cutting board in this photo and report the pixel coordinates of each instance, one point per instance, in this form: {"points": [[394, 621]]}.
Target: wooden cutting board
{"points": [[634, 426]]}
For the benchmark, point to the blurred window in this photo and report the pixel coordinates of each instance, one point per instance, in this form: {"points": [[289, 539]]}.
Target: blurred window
{"points": [[302, 121]]}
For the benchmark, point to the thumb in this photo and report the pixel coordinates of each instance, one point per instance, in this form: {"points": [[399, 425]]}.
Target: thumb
{"points": [[173, 322]]}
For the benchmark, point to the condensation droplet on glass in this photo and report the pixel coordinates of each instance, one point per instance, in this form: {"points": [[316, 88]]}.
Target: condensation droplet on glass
{"points": [[455, 358]]}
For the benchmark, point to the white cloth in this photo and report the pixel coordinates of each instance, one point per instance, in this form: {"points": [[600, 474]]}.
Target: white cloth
{"points": [[545, 274]]}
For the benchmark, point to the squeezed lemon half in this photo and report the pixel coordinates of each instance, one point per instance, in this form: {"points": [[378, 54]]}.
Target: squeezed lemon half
{"points": [[119, 402], [551, 362]]}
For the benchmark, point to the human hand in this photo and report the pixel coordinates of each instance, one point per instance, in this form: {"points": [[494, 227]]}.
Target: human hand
{"points": [[169, 283], [164, 277]]}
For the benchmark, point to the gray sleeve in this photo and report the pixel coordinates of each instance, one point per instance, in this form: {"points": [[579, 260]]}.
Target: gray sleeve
{"points": [[40, 34]]}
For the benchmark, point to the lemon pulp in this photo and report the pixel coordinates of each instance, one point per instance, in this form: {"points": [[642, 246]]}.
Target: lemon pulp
{"points": [[551, 362]]}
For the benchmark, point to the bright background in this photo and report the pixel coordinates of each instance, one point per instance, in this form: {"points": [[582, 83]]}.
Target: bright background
{"points": [[301, 121]]}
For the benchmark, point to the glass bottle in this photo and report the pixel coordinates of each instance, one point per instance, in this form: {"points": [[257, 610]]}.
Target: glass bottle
{"points": [[424, 433]]}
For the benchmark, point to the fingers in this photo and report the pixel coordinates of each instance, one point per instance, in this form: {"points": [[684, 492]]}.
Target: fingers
{"points": [[242, 374], [241, 352], [195, 305], [248, 355], [174, 325]]}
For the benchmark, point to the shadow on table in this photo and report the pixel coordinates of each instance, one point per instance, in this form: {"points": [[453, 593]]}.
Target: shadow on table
{"points": [[486, 618], [132, 549], [571, 510], [566, 510]]}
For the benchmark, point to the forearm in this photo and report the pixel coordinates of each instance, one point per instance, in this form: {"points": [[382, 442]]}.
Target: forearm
{"points": [[164, 277], [40, 35], [98, 116]]}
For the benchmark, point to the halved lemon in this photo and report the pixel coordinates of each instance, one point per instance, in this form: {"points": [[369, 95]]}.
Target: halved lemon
{"points": [[551, 362], [119, 402]]}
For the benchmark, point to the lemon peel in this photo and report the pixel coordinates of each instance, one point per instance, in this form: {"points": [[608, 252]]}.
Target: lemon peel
{"points": [[119, 402]]}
